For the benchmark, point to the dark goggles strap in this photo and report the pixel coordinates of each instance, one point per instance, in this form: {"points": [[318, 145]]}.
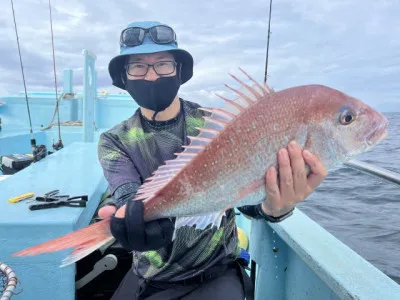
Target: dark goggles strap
{"points": [[141, 36]]}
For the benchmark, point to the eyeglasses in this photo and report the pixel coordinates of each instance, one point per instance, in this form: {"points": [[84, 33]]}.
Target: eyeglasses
{"points": [[160, 67], [134, 36]]}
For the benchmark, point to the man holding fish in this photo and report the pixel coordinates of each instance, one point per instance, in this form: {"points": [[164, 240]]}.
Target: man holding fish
{"points": [[173, 208], [198, 263]]}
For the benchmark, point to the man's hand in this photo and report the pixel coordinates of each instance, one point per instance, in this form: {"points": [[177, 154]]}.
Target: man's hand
{"points": [[106, 211], [130, 229], [109, 210], [134, 233], [294, 186]]}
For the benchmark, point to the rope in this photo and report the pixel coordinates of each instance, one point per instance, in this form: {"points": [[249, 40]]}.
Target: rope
{"points": [[54, 114], [68, 123], [9, 280]]}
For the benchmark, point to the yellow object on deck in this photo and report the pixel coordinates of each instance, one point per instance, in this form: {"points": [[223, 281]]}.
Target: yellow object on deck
{"points": [[21, 197], [243, 240]]}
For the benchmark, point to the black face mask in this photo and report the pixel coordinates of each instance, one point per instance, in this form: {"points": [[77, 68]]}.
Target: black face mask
{"points": [[154, 95]]}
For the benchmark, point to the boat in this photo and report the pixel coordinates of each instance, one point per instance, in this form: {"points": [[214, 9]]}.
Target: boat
{"points": [[294, 259]]}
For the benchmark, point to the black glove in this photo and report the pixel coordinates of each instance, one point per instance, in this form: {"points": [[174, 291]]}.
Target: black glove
{"points": [[135, 234]]}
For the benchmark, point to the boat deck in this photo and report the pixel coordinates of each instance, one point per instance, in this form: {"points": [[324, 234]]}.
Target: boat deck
{"points": [[74, 171]]}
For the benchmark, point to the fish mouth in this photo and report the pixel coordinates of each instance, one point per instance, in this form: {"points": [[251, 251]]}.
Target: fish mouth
{"points": [[376, 136]]}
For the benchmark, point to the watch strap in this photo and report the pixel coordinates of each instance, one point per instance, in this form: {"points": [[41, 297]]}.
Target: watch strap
{"points": [[273, 219]]}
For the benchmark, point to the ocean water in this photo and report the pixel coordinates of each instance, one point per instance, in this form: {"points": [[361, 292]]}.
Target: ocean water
{"points": [[364, 211]]}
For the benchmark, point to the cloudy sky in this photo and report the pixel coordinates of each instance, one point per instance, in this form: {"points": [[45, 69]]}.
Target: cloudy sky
{"points": [[350, 45]]}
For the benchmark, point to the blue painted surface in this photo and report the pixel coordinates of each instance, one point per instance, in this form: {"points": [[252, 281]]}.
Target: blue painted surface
{"points": [[18, 142], [297, 258], [75, 171], [89, 85], [42, 106], [110, 110], [68, 81], [312, 264]]}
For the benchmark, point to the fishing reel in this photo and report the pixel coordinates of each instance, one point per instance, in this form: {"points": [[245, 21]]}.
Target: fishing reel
{"points": [[58, 146], [39, 152]]}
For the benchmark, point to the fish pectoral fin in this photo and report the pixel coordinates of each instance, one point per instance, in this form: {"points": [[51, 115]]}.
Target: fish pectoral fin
{"points": [[199, 222]]}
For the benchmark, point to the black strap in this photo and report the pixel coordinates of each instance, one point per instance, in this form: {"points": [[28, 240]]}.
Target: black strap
{"points": [[206, 275], [139, 288], [173, 292], [253, 270], [176, 290], [248, 286]]}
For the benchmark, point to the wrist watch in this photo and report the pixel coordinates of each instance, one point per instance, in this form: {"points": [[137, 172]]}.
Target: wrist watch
{"points": [[272, 219]]}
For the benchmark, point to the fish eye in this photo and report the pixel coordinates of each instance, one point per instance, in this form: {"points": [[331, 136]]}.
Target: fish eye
{"points": [[347, 117]]}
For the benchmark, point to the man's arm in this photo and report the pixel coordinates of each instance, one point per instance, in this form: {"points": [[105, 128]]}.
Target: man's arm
{"points": [[119, 170], [124, 193], [124, 180]]}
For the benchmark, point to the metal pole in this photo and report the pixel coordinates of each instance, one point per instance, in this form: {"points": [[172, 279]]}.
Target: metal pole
{"points": [[373, 170]]}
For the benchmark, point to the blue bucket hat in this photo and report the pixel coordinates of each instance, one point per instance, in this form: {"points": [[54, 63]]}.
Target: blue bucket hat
{"points": [[116, 66]]}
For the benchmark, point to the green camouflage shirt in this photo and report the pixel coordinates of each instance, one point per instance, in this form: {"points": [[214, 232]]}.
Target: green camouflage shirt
{"points": [[129, 153]]}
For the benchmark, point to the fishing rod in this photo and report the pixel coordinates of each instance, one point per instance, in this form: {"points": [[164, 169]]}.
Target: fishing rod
{"points": [[59, 145], [269, 33], [39, 152], [33, 141]]}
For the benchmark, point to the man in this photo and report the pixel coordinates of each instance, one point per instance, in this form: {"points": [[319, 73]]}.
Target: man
{"points": [[198, 263]]}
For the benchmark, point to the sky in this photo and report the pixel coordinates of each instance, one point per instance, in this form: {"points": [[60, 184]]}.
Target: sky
{"points": [[350, 45]]}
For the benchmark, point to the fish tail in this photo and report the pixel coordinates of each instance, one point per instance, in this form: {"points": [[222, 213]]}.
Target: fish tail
{"points": [[85, 250], [84, 241]]}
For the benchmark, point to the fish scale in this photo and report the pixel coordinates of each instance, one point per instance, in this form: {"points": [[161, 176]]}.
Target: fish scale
{"points": [[224, 165], [248, 147]]}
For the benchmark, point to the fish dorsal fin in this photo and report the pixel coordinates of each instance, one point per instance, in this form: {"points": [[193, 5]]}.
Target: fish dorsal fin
{"points": [[217, 120]]}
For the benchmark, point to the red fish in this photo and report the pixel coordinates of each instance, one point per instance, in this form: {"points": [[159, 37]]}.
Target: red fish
{"points": [[224, 166]]}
